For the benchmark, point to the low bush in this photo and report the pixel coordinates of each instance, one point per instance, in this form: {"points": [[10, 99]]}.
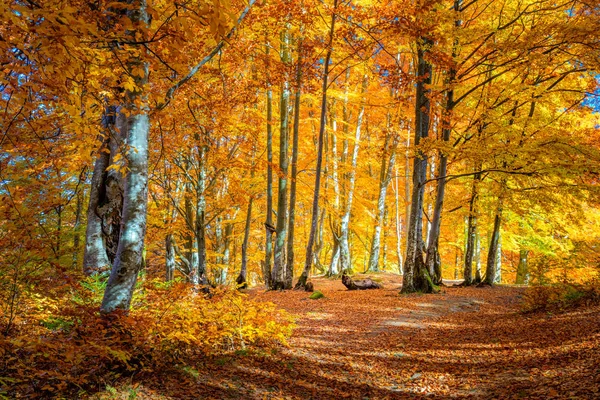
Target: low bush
{"points": [[560, 297], [68, 348]]}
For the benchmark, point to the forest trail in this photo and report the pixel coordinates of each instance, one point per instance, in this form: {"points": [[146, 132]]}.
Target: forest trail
{"points": [[375, 344]]}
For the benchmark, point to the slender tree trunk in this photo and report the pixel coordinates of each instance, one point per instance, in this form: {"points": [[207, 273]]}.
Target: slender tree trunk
{"points": [[200, 229], [169, 257], [296, 133], [335, 255], [387, 169], [323, 122], [278, 278], [76, 228], [242, 277], [426, 219], [95, 258], [433, 266], [494, 248], [471, 230], [398, 225], [269, 218], [407, 187], [128, 261], [415, 276], [105, 203], [523, 268], [477, 258], [345, 254]]}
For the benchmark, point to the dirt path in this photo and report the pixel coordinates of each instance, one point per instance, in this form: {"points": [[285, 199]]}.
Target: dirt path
{"points": [[463, 343]]}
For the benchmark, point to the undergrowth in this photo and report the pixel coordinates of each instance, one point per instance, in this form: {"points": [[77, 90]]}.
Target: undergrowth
{"points": [[66, 347], [560, 297]]}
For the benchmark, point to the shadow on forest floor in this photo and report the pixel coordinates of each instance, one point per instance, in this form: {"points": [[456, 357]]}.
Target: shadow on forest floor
{"points": [[375, 344]]}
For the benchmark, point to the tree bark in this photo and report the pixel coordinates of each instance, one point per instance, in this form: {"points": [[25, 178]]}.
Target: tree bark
{"points": [[323, 121], [416, 277], [242, 277], [363, 284], [471, 230], [494, 247], [128, 261], [387, 169], [169, 257], [269, 218], [523, 268], [345, 255], [296, 133], [95, 257], [278, 278], [433, 266], [398, 226]]}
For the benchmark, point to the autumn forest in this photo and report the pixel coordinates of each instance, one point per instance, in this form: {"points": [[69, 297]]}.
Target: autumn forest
{"points": [[299, 199]]}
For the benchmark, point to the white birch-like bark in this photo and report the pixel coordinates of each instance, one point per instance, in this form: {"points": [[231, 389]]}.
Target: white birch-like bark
{"points": [[129, 257], [279, 280], [386, 177], [345, 257]]}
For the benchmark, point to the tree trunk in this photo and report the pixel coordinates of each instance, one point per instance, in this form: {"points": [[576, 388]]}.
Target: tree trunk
{"points": [[200, 227], [169, 257], [398, 225], [471, 231], [477, 258], [242, 277], [269, 218], [76, 228], [499, 258], [416, 278], [296, 132], [494, 248], [104, 207], [128, 261], [363, 284], [323, 121], [387, 168], [433, 266], [345, 257], [278, 278], [523, 268]]}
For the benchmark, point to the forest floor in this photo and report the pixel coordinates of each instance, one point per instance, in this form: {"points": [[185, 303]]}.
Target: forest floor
{"points": [[376, 344]]}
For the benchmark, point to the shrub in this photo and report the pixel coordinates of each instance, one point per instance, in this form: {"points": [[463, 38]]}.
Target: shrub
{"points": [[560, 297], [66, 347]]}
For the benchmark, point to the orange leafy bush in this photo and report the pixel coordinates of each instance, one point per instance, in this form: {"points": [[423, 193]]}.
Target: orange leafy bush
{"points": [[560, 296], [76, 350]]}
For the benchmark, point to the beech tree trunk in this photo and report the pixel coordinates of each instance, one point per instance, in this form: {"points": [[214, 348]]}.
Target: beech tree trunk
{"points": [[104, 207], [416, 278], [95, 258], [169, 257], [477, 258], [200, 226], [499, 257], [363, 284], [345, 255], [296, 133], [323, 122], [494, 248], [523, 268], [387, 168], [278, 278], [471, 231], [128, 261], [242, 277], [398, 225], [269, 217]]}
